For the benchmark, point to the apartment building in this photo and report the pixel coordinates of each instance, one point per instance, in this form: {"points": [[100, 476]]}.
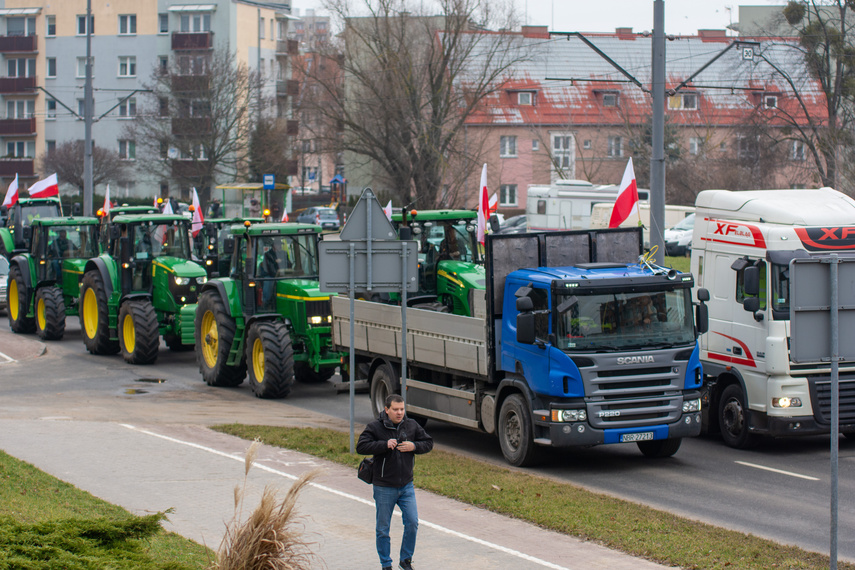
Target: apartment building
{"points": [[43, 52]]}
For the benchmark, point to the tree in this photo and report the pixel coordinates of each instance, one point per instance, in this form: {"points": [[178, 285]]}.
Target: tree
{"points": [[196, 125], [410, 82], [67, 161]]}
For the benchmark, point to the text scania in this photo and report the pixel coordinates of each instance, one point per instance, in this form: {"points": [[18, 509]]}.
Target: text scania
{"points": [[635, 359]]}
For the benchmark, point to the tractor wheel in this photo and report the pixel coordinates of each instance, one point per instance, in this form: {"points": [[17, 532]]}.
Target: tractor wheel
{"points": [[307, 375], [138, 334], [515, 432], [95, 315], [17, 301], [270, 359], [660, 447], [384, 382], [733, 419], [50, 313], [215, 333]]}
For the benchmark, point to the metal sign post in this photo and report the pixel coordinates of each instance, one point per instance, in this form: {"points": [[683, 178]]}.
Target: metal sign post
{"points": [[377, 262]]}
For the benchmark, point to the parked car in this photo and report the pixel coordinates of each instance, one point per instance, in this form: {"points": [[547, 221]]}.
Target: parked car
{"points": [[678, 240], [514, 225], [323, 216], [4, 278]]}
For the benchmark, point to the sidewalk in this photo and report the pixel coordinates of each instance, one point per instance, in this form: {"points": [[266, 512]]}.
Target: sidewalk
{"points": [[194, 471]]}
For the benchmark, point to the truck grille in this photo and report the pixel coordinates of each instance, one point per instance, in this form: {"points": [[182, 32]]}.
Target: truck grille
{"points": [[622, 396], [319, 309], [820, 396]]}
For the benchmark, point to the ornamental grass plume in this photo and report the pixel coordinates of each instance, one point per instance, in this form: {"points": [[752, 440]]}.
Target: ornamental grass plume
{"points": [[273, 536]]}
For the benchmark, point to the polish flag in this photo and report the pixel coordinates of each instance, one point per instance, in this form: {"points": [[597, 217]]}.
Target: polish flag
{"points": [[45, 188], [388, 211], [483, 206], [107, 204], [494, 205], [198, 220], [284, 215], [167, 208], [155, 201], [11, 193], [627, 199]]}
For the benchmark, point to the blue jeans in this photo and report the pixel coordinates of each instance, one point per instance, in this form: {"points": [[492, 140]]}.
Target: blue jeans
{"points": [[385, 498]]}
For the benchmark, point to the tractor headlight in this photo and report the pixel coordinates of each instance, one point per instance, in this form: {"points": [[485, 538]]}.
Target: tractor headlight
{"points": [[569, 415], [201, 280], [692, 406], [182, 280], [316, 320]]}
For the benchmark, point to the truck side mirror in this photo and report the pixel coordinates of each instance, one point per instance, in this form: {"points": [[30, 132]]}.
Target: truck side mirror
{"points": [[525, 327], [524, 304], [752, 305], [494, 223], [229, 245], [751, 280], [702, 318], [703, 295]]}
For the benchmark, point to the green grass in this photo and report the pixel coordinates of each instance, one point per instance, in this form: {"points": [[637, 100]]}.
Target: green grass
{"points": [[679, 263], [48, 524], [619, 524]]}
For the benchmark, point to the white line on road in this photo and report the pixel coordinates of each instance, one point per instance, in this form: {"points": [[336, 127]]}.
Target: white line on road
{"points": [[8, 358], [434, 526], [773, 470]]}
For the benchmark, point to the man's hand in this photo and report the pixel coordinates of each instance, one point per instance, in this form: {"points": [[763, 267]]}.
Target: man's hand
{"points": [[406, 446], [392, 443]]}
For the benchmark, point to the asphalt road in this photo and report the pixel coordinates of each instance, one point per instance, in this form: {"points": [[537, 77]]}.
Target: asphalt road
{"points": [[780, 490]]}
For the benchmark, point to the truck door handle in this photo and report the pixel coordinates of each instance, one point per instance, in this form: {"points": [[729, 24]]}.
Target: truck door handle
{"points": [[737, 351]]}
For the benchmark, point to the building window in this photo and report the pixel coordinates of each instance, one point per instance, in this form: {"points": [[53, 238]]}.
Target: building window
{"points": [[192, 64], [195, 23], [587, 144], [722, 146], [282, 30], [50, 108], [610, 100], [51, 66], [508, 146], [127, 66], [21, 67], [127, 24], [615, 147], [261, 28], [695, 144], [20, 26], [20, 149], [50, 146], [163, 64], [81, 67], [81, 25], [163, 23], [128, 108], [770, 101], [508, 195], [163, 107], [562, 152], [20, 109], [127, 150], [798, 151], [685, 101], [535, 145], [747, 148], [50, 22], [525, 98]]}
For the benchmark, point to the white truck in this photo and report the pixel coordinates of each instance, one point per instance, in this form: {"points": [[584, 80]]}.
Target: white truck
{"points": [[742, 246], [567, 205]]}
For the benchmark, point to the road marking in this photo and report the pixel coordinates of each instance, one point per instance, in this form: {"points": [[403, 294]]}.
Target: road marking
{"points": [[8, 358], [773, 470], [434, 526]]}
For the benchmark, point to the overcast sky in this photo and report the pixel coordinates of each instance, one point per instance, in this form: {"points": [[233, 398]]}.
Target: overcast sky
{"points": [[682, 17]]}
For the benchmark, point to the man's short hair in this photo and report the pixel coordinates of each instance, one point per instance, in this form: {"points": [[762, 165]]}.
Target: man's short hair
{"points": [[393, 399]]}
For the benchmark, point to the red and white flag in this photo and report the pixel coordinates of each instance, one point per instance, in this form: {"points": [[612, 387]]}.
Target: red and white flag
{"points": [[105, 209], [626, 203], [284, 214], [45, 188], [155, 201], [167, 208], [494, 205], [388, 211], [483, 206], [198, 220], [11, 193]]}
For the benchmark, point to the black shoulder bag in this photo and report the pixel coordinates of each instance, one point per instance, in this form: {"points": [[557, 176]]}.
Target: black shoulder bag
{"points": [[365, 471]]}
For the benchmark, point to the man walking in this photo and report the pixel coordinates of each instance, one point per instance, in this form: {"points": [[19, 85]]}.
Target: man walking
{"points": [[394, 440]]}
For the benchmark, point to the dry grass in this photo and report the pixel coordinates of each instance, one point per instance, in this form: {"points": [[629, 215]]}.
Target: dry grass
{"points": [[273, 536]]}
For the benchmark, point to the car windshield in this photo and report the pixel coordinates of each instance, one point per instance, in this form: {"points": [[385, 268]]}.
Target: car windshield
{"points": [[327, 213], [686, 223], [288, 256], [151, 239], [4, 266], [624, 321]]}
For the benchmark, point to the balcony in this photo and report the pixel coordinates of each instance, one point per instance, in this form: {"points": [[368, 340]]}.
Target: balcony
{"points": [[287, 47], [192, 40], [18, 44], [292, 128], [290, 87], [17, 84], [190, 168], [190, 83], [186, 126], [23, 167], [17, 127]]}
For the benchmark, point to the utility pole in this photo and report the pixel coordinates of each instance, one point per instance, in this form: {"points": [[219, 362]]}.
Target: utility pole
{"points": [[87, 117], [657, 160]]}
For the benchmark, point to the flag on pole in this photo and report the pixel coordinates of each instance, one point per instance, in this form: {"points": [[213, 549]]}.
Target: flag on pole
{"points": [[483, 206], [284, 215], [11, 193], [494, 205], [388, 211], [45, 188], [155, 201], [198, 220], [627, 199], [105, 209], [167, 207]]}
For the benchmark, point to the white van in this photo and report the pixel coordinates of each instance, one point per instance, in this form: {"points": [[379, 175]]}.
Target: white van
{"points": [[568, 204]]}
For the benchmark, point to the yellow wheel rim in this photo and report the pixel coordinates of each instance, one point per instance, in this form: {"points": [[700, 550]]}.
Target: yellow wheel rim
{"points": [[129, 334], [90, 313], [40, 314], [258, 360], [13, 299], [210, 339]]}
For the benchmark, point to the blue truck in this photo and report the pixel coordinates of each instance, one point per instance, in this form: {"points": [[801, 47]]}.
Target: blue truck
{"points": [[577, 341]]}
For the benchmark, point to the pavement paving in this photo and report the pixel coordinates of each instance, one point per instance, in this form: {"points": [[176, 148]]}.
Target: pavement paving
{"points": [[150, 467]]}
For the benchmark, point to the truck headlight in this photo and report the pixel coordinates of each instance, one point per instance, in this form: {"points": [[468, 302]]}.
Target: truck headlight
{"points": [[569, 415], [786, 402], [692, 406]]}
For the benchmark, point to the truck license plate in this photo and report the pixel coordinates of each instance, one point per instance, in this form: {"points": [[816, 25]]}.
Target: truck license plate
{"points": [[643, 436]]}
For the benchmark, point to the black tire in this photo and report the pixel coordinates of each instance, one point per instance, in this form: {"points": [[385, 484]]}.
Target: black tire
{"points": [[515, 432], [270, 359], [50, 313], [732, 420], [214, 343], [173, 342], [139, 338], [94, 315], [384, 382], [660, 447], [306, 375], [17, 303]]}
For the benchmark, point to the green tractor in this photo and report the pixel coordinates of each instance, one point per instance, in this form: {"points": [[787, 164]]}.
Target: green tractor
{"points": [[142, 287], [451, 265], [209, 244], [15, 236], [44, 282], [269, 314]]}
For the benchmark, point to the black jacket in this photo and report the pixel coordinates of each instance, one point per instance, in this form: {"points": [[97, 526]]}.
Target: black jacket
{"points": [[393, 468]]}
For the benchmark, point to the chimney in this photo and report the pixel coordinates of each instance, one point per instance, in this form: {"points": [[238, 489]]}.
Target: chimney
{"points": [[535, 32], [623, 31], [712, 34]]}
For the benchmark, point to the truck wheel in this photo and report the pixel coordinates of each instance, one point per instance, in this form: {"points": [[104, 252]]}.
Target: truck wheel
{"points": [[384, 381], [50, 313], [270, 359], [307, 375], [660, 447], [732, 419], [515, 432], [17, 298], [94, 315], [215, 333], [138, 334]]}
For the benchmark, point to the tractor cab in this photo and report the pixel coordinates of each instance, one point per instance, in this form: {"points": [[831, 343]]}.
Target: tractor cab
{"points": [[61, 246], [16, 236], [209, 245]]}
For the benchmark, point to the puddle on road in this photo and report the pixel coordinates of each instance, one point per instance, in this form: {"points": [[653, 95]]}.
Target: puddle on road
{"points": [[152, 380], [133, 391]]}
